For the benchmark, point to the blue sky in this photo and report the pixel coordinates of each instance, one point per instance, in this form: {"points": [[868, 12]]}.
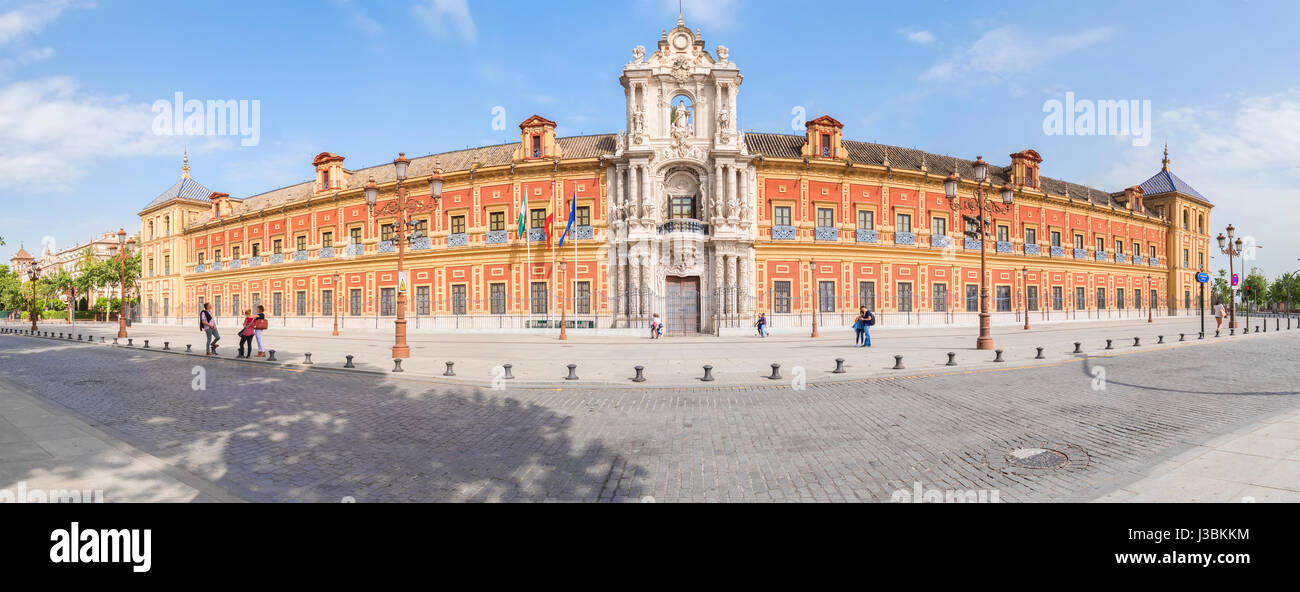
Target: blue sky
{"points": [[78, 154]]}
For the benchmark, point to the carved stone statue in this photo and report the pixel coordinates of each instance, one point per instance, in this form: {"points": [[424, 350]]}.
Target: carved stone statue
{"points": [[638, 54], [723, 54]]}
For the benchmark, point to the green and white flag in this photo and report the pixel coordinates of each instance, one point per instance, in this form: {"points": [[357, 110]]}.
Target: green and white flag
{"points": [[522, 211]]}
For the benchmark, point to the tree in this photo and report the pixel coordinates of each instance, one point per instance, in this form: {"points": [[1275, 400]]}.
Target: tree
{"points": [[1255, 286], [11, 290], [1221, 291]]}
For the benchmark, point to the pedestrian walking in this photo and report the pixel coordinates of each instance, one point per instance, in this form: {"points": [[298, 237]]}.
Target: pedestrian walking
{"points": [[1218, 314], [259, 325], [208, 324], [656, 326], [762, 324], [246, 335], [868, 320]]}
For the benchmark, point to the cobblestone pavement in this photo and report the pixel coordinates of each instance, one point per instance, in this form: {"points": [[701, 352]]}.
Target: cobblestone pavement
{"points": [[283, 434]]}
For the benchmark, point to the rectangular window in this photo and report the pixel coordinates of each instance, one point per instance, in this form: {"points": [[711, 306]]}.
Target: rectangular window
{"points": [[1080, 298], [1119, 299], [301, 242], [167, 264], [781, 216], [939, 226], [387, 302], [234, 252], [496, 221], [941, 298], [201, 257], [1187, 301], [458, 299], [682, 207], [201, 302], [826, 145], [1200, 260], [354, 302], [1004, 234], [1101, 245], [539, 294], [216, 305], [457, 224], [1031, 236], [1155, 299], [354, 235], [1056, 238], [582, 298], [327, 239], [972, 298], [419, 228], [537, 146], [277, 246], [826, 296], [1185, 258], [536, 218], [1137, 298], [903, 223], [234, 305], [1078, 241], [1151, 251], [905, 297], [327, 302], [1101, 298], [867, 295], [167, 306], [216, 254], [781, 297], [866, 220], [1119, 247], [277, 304], [257, 249], [300, 302], [422, 300], [826, 217], [1003, 294], [257, 301], [582, 216], [387, 232], [1031, 298], [498, 297], [1058, 300]]}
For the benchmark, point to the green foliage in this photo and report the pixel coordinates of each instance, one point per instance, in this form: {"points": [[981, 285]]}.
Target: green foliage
{"points": [[1221, 290]]}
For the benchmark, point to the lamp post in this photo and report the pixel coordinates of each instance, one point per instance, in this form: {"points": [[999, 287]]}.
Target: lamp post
{"points": [[33, 275], [982, 202], [1024, 271], [564, 269], [1151, 310], [812, 266], [334, 304], [119, 253], [401, 210], [1231, 249]]}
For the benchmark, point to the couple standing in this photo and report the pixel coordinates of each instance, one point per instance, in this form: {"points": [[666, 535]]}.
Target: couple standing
{"points": [[862, 327], [252, 328]]}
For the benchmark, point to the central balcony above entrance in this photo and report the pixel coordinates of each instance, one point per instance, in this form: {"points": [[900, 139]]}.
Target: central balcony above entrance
{"points": [[684, 225]]}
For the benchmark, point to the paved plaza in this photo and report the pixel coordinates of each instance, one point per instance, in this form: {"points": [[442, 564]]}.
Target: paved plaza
{"points": [[1130, 423]]}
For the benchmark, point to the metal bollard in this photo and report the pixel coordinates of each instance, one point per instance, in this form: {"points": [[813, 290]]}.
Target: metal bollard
{"points": [[167, 346], [349, 364], [78, 337], [776, 372], [1232, 331], [952, 359], [1137, 342], [999, 358], [146, 344], [839, 366], [271, 357], [1040, 355], [1182, 337], [708, 373], [188, 349], [1257, 328], [1161, 340], [1109, 345], [508, 375], [898, 362], [130, 342], [1202, 335], [573, 375], [397, 365], [449, 371], [307, 361], [101, 339], [1078, 347], [114, 341], [639, 376]]}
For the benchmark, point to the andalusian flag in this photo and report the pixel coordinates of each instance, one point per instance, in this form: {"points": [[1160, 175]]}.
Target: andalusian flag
{"points": [[523, 212]]}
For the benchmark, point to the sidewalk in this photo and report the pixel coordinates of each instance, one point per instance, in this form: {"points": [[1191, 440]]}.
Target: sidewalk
{"points": [[47, 453], [1260, 463], [540, 361]]}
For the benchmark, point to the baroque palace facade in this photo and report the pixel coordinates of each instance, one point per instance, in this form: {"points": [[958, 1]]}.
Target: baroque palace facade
{"points": [[681, 214]]}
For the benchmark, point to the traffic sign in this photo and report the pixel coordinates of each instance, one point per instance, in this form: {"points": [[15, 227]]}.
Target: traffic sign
{"points": [[1235, 280], [1203, 277]]}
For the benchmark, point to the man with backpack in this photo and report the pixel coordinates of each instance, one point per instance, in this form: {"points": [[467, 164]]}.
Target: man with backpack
{"points": [[208, 324], [863, 324]]}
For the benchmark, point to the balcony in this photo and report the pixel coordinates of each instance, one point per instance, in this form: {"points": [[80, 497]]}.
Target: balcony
{"points": [[421, 244], [826, 233], [1080, 253], [972, 244], [354, 249], [1154, 262], [866, 235], [1005, 247], [255, 261], [783, 233], [300, 255], [458, 239], [1100, 256], [497, 237], [940, 241], [536, 235], [387, 246], [234, 264], [1031, 249], [905, 238], [1058, 251], [586, 232], [216, 266], [199, 268], [1138, 260], [683, 225], [1121, 258], [325, 252], [275, 258]]}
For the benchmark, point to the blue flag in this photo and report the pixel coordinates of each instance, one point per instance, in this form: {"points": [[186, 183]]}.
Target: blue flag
{"points": [[573, 213]]}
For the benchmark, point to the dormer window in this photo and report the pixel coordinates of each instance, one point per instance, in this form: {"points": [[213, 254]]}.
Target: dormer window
{"points": [[1030, 177], [823, 140], [537, 139], [826, 145], [325, 179], [537, 146]]}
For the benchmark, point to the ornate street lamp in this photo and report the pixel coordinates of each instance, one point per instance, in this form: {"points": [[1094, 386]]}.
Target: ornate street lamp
{"points": [[118, 252], [33, 275], [1231, 249], [812, 266], [564, 267], [950, 185]]}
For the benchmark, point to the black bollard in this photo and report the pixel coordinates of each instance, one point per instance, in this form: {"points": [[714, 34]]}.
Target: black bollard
{"points": [[776, 372], [1202, 335], [1182, 337], [1078, 347], [307, 361], [1108, 345], [397, 365], [952, 359], [839, 366], [114, 341], [129, 342], [708, 373], [78, 337], [449, 371], [573, 375], [1040, 355], [508, 375], [349, 364], [101, 339], [167, 346], [898, 362], [271, 356], [146, 344], [639, 376], [1137, 342], [188, 349], [1161, 340], [999, 358]]}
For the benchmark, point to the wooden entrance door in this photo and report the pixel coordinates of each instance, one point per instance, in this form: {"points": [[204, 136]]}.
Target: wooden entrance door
{"points": [[683, 305]]}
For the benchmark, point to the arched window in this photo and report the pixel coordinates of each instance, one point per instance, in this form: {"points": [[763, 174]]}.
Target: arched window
{"points": [[1186, 217], [1200, 223], [151, 229], [167, 225]]}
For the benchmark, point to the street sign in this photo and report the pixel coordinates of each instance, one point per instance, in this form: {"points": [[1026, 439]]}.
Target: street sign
{"points": [[1203, 277], [1235, 280]]}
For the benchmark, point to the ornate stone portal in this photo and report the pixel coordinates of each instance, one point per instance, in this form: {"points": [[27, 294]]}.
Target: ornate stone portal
{"points": [[682, 191]]}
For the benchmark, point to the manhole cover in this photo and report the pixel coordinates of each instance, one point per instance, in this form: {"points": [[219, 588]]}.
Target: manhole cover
{"points": [[1037, 458]]}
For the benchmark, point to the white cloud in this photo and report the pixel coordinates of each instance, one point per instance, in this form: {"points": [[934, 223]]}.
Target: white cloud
{"points": [[51, 133], [1005, 51], [919, 37], [1244, 156], [362, 21], [445, 18], [707, 15], [29, 18]]}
